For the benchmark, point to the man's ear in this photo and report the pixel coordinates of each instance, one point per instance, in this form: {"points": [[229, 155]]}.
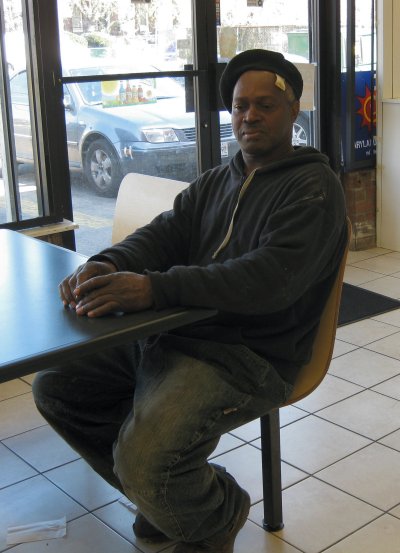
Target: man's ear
{"points": [[295, 109]]}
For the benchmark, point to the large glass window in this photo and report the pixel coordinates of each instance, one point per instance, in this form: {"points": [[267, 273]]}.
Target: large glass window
{"points": [[128, 74], [18, 172], [154, 33], [279, 26], [120, 86], [128, 95], [116, 121], [33, 190]]}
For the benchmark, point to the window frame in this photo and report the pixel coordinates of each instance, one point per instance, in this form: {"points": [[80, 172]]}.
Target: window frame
{"points": [[47, 121], [44, 62]]}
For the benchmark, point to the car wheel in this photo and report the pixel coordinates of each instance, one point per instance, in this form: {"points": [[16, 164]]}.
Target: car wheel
{"points": [[301, 132], [102, 168]]}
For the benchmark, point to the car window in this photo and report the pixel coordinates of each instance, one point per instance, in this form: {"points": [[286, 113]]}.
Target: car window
{"points": [[19, 89], [161, 88]]}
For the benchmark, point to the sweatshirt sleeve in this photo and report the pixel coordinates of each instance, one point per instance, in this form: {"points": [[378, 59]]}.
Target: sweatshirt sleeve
{"points": [[300, 246], [161, 244]]}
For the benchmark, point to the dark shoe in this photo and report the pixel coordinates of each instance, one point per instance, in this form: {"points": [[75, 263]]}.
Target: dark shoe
{"points": [[144, 530], [223, 541]]}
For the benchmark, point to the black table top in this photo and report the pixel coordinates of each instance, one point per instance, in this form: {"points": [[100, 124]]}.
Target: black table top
{"points": [[36, 330]]}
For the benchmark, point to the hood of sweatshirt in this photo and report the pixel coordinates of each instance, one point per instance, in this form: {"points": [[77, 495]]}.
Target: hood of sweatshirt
{"points": [[300, 156]]}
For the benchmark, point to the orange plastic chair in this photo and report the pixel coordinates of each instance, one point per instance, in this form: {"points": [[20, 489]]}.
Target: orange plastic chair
{"points": [[309, 378]]}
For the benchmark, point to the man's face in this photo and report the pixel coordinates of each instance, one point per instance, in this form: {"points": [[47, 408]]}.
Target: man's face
{"points": [[262, 117]]}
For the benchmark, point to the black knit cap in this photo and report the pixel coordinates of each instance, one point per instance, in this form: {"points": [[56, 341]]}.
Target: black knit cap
{"points": [[258, 60]]}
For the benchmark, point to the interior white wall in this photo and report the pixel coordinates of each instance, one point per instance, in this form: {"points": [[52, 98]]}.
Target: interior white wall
{"points": [[388, 124]]}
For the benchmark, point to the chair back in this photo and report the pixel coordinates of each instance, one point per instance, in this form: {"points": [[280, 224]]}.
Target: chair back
{"points": [[312, 374], [140, 199]]}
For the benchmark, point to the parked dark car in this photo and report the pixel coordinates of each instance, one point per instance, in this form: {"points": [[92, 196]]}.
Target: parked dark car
{"points": [[108, 139], [155, 137]]}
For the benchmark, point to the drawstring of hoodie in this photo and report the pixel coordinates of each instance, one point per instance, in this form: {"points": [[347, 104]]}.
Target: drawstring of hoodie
{"points": [[225, 241]]}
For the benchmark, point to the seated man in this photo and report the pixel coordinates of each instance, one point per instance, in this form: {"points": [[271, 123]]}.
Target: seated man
{"points": [[260, 240]]}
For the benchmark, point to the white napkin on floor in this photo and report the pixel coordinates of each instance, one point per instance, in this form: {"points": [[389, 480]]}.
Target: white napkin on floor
{"points": [[128, 504], [36, 531]]}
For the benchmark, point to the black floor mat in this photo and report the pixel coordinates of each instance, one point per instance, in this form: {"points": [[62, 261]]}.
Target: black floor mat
{"points": [[357, 304]]}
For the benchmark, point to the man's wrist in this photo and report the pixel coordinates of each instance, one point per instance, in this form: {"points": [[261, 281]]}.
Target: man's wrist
{"points": [[99, 258]]}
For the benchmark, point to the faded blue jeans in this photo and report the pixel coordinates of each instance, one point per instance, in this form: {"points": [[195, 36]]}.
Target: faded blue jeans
{"points": [[147, 423]]}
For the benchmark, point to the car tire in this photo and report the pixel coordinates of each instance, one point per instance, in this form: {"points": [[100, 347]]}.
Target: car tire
{"points": [[102, 168], [301, 131]]}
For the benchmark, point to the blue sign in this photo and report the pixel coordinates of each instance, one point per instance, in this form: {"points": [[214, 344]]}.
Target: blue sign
{"points": [[362, 119]]}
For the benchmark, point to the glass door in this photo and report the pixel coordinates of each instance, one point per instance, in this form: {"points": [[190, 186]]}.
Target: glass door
{"points": [[126, 109], [128, 67], [19, 195], [282, 26]]}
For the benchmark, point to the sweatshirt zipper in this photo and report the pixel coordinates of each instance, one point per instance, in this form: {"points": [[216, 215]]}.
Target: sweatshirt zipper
{"points": [[243, 189]]}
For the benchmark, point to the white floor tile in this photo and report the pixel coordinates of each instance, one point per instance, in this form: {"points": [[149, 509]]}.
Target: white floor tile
{"points": [[387, 346], [342, 348], [18, 414], [317, 515], [369, 414], [289, 474], [13, 469], [392, 440], [226, 443], [382, 536], [387, 286], [79, 481], [391, 317], [248, 432], [311, 444], [120, 519], [381, 264], [371, 474], [355, 256], [356, 276], [364, 367], [252, 538], [42, 448], [13, 388], [338, 511], [393, 254], [29, 378], [244, 463], [34, 500], [396, 511], [331, 390], [290, 413], [389, 388], [84, 535], [364, 332]]}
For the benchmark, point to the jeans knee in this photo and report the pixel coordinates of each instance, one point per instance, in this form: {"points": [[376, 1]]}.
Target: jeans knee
{"points": [[51, 394], [139, 468], [42, 387]]}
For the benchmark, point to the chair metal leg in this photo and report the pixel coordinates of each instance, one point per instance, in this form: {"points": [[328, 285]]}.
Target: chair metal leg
{"points": [[271, 470]]}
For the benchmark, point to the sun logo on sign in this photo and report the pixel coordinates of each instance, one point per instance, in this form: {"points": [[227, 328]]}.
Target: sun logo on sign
{"points": [[367, 109]]}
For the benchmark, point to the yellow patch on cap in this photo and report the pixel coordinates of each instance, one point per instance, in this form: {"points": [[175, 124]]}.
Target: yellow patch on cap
{"points": [[280, 82]]}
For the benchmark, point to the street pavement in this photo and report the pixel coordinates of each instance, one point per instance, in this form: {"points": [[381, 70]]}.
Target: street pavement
{"points": [[94, 214]]}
